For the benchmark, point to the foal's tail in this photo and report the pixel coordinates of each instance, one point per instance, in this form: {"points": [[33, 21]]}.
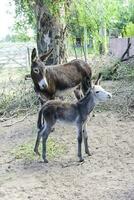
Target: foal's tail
{"points": [[40, 121]]}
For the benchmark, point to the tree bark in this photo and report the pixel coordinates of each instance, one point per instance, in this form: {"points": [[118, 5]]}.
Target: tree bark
{"points": [[51, 33], [85, 44], [102, 44]]}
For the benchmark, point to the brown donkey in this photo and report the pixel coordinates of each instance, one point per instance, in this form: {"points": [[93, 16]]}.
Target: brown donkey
{"points": [[50, 80], [73, 113]]}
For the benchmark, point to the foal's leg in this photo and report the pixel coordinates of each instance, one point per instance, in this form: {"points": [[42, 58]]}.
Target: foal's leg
{"points": [[79, 142], [85, 139], [39, 135], [44, 140]]}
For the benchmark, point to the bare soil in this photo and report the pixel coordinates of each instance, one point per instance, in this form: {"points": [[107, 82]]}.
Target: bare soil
{"points": [[106, 175]]}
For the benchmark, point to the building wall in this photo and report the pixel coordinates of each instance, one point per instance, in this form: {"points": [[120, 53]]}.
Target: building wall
{"points": [[117, 46]]}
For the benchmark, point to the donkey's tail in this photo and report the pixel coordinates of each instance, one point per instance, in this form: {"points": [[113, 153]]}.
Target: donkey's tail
{"points": [[40, 119]]}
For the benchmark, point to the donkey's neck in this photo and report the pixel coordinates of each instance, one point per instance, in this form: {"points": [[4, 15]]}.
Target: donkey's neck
{"points": [[86, 104]]}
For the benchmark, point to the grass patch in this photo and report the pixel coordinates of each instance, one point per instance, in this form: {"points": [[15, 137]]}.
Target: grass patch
{"points": [[25, 151]]}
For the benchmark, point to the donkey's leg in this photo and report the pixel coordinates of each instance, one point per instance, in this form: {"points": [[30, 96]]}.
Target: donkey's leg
{"points": [[39, 135], [79, 143], [86, 84], [85, 139], [78, 92]]}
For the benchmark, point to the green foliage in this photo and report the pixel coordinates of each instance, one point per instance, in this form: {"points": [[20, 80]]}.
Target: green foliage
{"points": [[99, 17], [54, 6], [129, 30], [18, 37], [95, 16], [25, 21], [124, 71], [107, 74], [25, 12]]}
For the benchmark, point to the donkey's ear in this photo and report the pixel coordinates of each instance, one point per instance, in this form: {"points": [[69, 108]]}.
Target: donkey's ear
{"points": [[97, 82], [33, 55], [78, 87], [46, 55]]}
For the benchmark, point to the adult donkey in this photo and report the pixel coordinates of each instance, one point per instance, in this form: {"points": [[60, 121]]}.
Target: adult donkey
{"points": [[51, 80]]}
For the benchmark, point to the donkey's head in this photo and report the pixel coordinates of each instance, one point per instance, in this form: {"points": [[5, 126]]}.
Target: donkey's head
{"points": [[38, 70], [100, 94]]}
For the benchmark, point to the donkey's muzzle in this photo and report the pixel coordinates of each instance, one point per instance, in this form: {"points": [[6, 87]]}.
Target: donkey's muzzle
{"points": [[109, 95], [43, 84]]}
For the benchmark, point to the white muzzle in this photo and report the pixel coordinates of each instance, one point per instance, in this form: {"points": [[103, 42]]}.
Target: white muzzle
{"points": [[43, 84]]}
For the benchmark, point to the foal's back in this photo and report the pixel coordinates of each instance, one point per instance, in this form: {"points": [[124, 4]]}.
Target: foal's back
{"points": [[59, 110]]}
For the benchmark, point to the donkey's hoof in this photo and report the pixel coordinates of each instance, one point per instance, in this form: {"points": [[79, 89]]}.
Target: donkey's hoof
{"points": [[45, 160], [81, 159], [88, 153], [36, 152], [53, 129]]}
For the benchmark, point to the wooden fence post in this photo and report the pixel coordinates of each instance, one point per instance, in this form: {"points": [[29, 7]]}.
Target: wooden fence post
{"points": [[28, 57]]}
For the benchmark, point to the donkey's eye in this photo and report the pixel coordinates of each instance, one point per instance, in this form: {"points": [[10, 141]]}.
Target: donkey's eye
{"points": [[97, 91], [36, 70]]}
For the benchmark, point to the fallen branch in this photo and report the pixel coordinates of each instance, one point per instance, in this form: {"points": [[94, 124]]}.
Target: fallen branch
{"points": [[122, 57], [3, 119], [8, 125], [2, 113], [116, 65], [127, 58]]}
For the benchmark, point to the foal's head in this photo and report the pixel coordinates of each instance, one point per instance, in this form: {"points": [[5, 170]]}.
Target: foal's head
{"points": [[38, 70], [100, 94]]}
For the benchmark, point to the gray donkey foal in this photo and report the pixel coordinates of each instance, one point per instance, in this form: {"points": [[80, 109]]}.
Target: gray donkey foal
{"points": [[73, 113]]}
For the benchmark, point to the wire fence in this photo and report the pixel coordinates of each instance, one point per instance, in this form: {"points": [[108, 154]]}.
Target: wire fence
{"points": [[16, 55]]}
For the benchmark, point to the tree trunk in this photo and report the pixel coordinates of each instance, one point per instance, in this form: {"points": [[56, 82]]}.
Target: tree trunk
{"points": [[85, 43], [103, 42], [102, 29], [51, 33]]}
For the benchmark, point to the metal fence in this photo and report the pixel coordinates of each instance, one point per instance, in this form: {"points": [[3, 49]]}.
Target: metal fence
{"points": [[15, 54]]}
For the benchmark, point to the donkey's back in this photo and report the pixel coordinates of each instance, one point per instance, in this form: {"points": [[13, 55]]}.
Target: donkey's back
{"points": [[74, 67], [68, 75]]}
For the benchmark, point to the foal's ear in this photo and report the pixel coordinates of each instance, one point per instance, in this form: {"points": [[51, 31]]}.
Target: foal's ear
{"points": [[97, 82], [46, 55], [33, 55]]}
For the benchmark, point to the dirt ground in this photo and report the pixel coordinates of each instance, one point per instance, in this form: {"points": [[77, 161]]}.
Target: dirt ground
{"points": [[106, 175]]}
